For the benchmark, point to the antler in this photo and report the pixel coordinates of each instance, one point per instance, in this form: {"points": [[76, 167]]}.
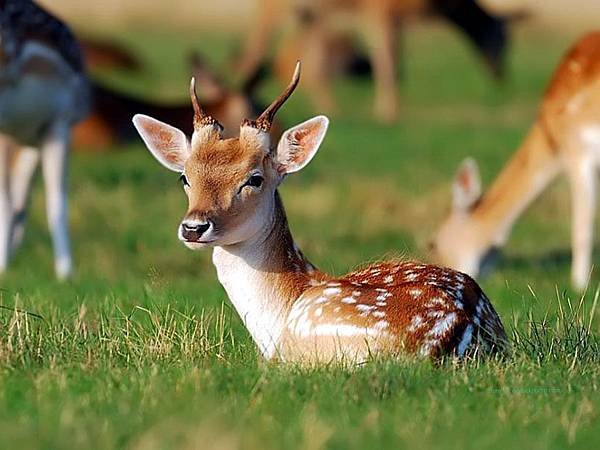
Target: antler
{"points": [[265, 120], [201, 119]]}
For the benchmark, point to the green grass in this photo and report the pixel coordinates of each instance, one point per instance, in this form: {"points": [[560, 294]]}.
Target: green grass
{"points": [[141, 350]]}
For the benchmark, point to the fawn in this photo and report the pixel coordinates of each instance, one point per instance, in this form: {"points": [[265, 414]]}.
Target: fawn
{"points": [[564, 139], [43, 92], [293, 311]]}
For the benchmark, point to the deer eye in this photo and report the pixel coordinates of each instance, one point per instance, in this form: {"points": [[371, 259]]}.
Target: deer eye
{"points": [[184, 180], [254, 181]]}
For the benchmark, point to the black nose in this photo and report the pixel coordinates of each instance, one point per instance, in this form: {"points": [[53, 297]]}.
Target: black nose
{"points": [[193, 231]]}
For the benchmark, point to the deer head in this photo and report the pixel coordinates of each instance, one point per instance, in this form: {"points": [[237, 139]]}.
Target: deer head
{"points": [[231, 183]]}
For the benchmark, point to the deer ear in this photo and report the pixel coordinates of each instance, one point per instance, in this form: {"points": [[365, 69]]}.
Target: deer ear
{"points": [[298, 145], [466, 189], [168, 144]]}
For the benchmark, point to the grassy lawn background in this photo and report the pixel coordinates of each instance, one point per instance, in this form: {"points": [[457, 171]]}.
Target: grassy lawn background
{"points": [[142, 350]]}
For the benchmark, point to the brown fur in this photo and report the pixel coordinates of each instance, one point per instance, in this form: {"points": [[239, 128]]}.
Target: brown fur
{"points": [[578, 69], [431, 293]]}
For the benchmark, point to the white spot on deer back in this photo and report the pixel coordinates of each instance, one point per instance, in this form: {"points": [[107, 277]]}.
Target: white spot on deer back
{"points": [[362, 307], [442, 326], [435, 301], [409, 276], [331, 291], [415, 323], [416, 293], [435, 314]]}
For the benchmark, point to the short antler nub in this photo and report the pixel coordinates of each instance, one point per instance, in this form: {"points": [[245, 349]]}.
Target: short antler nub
{"points": [[201, 119], [265, 120]]}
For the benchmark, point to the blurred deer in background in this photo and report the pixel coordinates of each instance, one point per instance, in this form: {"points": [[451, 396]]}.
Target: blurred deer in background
{"points": [[294, 311], [43, 92], [104, 55], [378, 22], [110, 120], [564, 139]]}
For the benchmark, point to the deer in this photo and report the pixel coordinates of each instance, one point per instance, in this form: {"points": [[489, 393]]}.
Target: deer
{"points": [[104, 55], [43, 92], [563, 140], [109, 122], [293, 311], [315, 25]]}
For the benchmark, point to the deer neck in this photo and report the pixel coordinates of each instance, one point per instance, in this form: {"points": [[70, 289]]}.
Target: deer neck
{"points": [[263, 276], [535, 164]]}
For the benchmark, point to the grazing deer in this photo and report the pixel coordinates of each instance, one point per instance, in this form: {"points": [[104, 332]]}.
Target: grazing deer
{"points": [[316, 23], [109, 122], [294, 311], [43, 92], [564, 139]]}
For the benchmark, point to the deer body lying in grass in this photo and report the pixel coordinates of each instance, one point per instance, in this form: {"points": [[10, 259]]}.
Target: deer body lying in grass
{"points": [[564, 139], [43, 92], [294, 311]]}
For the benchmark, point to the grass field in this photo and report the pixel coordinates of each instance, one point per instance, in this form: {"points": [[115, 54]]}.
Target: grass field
{"points": [[141, 350]]}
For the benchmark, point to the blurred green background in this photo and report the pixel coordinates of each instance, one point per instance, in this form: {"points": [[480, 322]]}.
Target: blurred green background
{"points": [[142, 350]]}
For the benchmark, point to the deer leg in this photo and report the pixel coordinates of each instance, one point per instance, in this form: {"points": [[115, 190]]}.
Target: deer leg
{"points": [[270, 16], [381, 36], [5, 208], [583, 196], [54, 167], [22, 172], [317, 74]]}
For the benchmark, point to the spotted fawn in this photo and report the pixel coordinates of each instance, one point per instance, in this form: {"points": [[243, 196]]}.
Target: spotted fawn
{"points": [[294, 311]]}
